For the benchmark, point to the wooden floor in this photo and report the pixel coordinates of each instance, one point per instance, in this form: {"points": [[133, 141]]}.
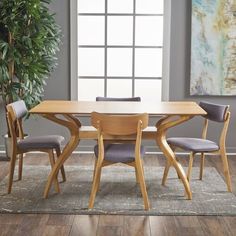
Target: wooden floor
{"points": [[45, 224]]}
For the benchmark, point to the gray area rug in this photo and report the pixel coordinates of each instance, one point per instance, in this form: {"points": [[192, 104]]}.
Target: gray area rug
{"points": [[118, 194]]}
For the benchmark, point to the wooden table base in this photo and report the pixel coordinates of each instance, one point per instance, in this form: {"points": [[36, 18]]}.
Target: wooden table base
{"points": [[73, 125], [162, 126]]}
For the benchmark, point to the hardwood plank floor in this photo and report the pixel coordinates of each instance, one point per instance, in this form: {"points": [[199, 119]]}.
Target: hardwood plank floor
{"points": [[103, 225]]}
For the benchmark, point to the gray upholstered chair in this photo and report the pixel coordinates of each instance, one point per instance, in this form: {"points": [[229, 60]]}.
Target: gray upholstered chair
{"points": [[20, 144], [217, 113], [112, 99], [118, 150]]}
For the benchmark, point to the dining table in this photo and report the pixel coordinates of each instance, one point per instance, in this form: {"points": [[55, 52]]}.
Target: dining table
{"points": [[67, 113]]}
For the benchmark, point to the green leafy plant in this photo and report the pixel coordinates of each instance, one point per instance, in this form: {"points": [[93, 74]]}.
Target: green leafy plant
{"points": [[29, 41]]}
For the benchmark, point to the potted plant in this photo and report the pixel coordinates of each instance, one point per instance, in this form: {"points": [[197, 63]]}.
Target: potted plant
{"points": [[29, 41]]}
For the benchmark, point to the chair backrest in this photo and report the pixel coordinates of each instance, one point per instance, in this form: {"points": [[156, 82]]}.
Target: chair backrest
{"points": [[15, 112], [111, 99], [215, 112], [119, 124]]}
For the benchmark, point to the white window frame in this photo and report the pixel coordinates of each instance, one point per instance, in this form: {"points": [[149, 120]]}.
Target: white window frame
{"points": [[74, 51]]}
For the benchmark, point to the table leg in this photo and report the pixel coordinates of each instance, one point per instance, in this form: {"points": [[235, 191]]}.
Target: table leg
{"points": [[73, 125], [162, 128]]}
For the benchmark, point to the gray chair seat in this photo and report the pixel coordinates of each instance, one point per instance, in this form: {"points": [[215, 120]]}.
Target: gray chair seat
{"points": [[41, 142], [194, 144], [119, 152]]}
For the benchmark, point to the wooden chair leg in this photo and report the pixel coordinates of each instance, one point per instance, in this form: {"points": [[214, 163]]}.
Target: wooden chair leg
{"points": [[94, 169], [226, 169], [190, 165], [52, 162], [177, 159], [142, 167], [136, 174], [63, 174], [95, 184], [142, 184], [11, 174], [202, 165], [99, 179], [20, 166], [165, 174], [99, 174]]}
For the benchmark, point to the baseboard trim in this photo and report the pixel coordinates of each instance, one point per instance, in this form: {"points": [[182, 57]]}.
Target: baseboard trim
{"points": [[151, 150]]}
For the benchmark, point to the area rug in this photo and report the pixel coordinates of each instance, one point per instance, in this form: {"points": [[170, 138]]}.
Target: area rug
{"points": [[119, 193]]}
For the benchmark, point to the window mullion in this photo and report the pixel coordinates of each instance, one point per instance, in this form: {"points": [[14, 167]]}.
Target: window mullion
{"points": [[133, 56], [105, 51]]}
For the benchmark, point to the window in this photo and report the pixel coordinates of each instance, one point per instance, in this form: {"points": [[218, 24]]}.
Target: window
{"points": [[119, 48]]}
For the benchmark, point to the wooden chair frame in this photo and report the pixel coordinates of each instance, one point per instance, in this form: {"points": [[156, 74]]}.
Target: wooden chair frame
{"points": [[221, 152], [16, 132], [119, 126]]}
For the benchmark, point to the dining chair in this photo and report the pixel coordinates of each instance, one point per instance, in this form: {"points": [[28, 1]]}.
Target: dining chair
{"points": [[216, 113], [116, 99], [119, 127], [21, 144], [113, 99]]}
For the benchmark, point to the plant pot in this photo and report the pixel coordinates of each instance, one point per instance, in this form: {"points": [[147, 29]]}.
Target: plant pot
{"points": [[8, 146]]}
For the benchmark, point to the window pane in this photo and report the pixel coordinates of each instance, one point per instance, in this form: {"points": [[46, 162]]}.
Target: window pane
{"points": [[149, 31], [91, 62], [120, 30], [148, 90], [149, 6], [91, 6], [120, 6], [119, 88], [89, 89], [148, 62], [119, 62], [91, 30]]}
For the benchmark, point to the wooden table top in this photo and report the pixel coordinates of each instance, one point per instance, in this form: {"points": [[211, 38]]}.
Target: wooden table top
{"points": [[86, 107]]}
